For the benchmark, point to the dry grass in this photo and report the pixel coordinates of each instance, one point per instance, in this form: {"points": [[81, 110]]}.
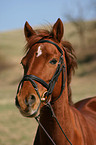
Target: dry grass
{"points": [[15, 129]]}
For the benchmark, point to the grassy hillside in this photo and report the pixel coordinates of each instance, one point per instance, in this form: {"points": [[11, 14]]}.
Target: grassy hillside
{"points": [[15, 129]]}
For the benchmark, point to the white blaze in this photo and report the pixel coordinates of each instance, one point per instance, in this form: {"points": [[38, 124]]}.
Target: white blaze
{"points": [[39, 51]]}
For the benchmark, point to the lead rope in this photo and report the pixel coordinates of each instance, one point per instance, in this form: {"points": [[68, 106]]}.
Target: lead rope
{"points": [[44, 129], [53, 115]]}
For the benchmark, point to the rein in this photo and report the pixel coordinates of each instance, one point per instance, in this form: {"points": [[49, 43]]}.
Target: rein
{"points": [[49, 87], [54, 116]]}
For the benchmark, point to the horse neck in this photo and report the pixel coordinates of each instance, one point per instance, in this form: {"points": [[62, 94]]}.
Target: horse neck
{"points": [[61, 110], [61, 106]]}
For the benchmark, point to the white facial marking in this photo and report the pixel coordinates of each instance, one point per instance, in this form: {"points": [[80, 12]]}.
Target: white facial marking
{"points": [[39, 51]]}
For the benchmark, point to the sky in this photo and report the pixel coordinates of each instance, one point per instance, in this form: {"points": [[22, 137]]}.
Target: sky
{"points": [[14, 13]]}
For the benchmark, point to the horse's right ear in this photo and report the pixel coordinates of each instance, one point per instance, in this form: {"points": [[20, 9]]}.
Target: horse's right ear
{"points": [[28, 31]]}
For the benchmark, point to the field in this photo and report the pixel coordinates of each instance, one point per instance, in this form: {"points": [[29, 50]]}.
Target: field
{"points": [[15, 129]]}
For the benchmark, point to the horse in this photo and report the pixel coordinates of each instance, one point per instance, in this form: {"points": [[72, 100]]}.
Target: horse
{"points": [[44, 92]]}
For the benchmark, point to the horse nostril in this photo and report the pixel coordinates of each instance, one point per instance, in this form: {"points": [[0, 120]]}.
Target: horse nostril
{"points": [[31, 100], [26, 102]]}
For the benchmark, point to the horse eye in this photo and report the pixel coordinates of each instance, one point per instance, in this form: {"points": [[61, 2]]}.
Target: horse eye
{"points": [[53, 61]]}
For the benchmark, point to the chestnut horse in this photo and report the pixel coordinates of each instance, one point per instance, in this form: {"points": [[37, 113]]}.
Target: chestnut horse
{"points": [[44, 92]]}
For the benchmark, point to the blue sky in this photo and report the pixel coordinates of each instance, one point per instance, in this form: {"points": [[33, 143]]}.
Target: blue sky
{"points": [[14, 13]]}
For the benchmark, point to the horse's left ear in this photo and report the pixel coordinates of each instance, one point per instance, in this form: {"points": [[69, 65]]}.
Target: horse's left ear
{"points": [[58, 30], [28, 30]]}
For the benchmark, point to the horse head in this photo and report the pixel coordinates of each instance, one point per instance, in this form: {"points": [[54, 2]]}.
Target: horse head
{"points": [[43, 64]]}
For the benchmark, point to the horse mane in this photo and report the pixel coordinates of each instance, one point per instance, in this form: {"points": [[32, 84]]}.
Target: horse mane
{"points": [[71, 62], [70, 56]]}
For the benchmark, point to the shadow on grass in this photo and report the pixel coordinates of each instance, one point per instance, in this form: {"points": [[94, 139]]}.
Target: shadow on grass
{"points": [[87, 59], [87, 72]]}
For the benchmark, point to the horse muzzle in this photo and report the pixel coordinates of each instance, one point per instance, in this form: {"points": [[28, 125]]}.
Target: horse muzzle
{"points": [[29, 107]]}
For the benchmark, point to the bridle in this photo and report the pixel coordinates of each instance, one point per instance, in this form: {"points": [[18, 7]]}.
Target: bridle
{"points": [[33, 79]]}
